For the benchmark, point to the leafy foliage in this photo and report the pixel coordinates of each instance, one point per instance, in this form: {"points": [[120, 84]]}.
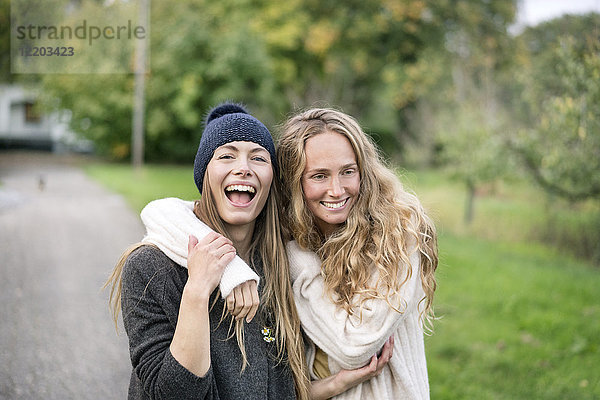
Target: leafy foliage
{"points": [[364, 57], [436, 82], [560, 143], [198, 59]]}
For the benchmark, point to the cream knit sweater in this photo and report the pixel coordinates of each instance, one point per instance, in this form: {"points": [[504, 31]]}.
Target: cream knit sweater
{"points": [[349, 342]]}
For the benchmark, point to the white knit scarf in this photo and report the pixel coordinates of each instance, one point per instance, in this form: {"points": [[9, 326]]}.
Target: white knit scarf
{"points": [[170, 221]]}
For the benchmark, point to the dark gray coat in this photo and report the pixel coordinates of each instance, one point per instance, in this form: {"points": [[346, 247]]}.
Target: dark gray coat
{"points": [[152, 289]]}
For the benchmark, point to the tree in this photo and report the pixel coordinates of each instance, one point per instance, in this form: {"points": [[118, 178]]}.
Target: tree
{"points": [[198, 58], [561, 144], [459, 106], [376, 60], [473, 147], [5, 75], [347, 54]]}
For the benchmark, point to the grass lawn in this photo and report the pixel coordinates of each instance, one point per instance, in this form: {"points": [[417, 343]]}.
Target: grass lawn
{"points": [[519, 320]]}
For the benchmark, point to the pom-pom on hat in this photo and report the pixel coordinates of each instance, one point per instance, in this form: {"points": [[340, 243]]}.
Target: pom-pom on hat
{"points": [[227, 123]]}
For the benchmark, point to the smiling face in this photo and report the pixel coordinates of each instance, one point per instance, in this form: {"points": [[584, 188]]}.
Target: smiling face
{"points": [[331, 179], [240, 176]]}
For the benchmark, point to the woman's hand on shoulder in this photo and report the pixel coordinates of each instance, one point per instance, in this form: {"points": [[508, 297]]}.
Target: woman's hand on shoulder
{"points": [[243, 301], [207, 259], [349, 378]]}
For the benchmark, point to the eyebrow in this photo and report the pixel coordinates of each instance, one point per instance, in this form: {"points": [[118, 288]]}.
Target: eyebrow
{"points": [[312, 171]]}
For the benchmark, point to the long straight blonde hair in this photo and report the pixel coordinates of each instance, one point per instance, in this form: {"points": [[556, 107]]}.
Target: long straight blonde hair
{"points": [[383, 227], [277, 296]]}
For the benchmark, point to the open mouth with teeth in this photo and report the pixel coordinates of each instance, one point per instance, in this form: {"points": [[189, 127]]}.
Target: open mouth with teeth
{"points": [[336, 205], [240, 194]]}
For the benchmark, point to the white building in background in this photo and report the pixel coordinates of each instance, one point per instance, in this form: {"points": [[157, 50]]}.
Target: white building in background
{"points": [[22, 125]]}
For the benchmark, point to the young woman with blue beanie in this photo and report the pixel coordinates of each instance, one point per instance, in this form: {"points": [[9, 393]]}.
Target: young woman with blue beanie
{"points": [[180, 336]]}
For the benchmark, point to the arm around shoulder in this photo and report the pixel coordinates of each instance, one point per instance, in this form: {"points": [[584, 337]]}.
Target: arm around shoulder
{"points": [[170, 221]]}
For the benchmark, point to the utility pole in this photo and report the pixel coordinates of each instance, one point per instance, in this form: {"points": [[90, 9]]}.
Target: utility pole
{"points": [[137, 131]]}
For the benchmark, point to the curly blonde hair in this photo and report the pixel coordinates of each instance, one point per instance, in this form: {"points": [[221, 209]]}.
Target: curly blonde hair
{"points": [[384, 226]]}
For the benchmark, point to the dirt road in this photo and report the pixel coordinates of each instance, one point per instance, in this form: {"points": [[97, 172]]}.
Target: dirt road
{"points": [[60, 235]]}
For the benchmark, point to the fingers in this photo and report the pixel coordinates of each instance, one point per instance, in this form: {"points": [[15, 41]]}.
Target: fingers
{"points": [[214, 244], [246, 304], [368, 371], [207, 259], [210, 237], [386, 351], [250, 296], [373, 364], [236, 306], [255, 301], [386, 355], [215, 241], [229, 255], [218, 250], [192, 242], [223, 249], [243, 301], [351, 378], [231, 301]]}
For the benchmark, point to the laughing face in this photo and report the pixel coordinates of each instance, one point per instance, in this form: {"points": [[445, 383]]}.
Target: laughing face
{"points": [[240, 176], [331, 179]]}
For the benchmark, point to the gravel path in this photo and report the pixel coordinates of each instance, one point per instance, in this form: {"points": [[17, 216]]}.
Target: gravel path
{"points": [[60, 235]]}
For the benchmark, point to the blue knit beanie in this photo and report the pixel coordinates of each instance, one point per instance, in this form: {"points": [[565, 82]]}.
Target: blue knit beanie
{"points": [[227, 123]]}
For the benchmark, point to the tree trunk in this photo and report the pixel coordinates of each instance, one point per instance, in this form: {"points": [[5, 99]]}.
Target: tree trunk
{"points": [[470, 202]]}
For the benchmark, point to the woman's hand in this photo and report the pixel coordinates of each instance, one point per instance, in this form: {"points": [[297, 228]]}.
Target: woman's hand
{"points": [[243, 301], [347, 379], [207, 259]]}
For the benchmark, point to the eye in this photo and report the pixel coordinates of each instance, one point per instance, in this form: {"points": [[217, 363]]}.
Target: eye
{"points": [[225, 156], [260, 159], [318, 177], [349, 171]]}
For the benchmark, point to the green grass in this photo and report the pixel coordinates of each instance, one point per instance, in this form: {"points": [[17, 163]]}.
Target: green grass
{"points": [[519, 320], [151, 182], [510, 212], [514, 212]]}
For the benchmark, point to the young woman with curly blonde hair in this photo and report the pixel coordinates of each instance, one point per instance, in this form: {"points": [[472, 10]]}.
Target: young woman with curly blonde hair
{"points": [[363, 257]]}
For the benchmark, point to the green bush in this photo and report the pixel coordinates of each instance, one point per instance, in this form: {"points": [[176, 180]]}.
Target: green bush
{"points": [[577, 231]]}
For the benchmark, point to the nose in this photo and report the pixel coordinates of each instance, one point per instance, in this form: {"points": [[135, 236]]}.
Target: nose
{"points": [[241, 168], [335, 189]]}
